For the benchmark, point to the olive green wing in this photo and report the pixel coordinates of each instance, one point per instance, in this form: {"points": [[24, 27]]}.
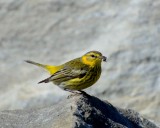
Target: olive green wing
{"points": [[71, 71]]}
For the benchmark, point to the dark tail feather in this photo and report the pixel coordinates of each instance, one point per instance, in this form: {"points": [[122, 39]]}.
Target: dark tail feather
{"points": [[44, 81]]}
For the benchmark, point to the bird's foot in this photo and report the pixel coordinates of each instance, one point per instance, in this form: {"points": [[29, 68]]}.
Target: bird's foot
{"points": [[72, 91], [76, 92], [83, 93]]}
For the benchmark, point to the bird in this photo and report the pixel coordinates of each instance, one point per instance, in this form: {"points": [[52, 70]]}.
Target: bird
{"points": [[77, 74]]}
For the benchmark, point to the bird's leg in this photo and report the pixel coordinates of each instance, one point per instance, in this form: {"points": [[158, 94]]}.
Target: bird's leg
{"points": [[75, 92], [72, 91], [83, 93]]}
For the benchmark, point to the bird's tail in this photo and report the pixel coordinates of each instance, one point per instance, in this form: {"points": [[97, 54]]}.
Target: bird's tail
{"points": [[51, 69], [44, 81]]}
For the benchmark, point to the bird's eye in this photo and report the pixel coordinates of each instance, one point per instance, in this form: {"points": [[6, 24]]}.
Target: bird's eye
{"points": [[93, 56]]}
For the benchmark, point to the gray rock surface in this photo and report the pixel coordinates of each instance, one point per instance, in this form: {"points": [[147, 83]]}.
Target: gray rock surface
{"points": [[80, 111], [55, 31]]}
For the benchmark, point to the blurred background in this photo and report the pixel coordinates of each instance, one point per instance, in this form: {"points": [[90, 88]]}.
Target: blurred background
{"points": [[55, 31]]}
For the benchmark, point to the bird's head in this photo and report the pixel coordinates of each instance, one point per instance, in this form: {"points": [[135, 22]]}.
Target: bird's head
{"points": [[93, 58]]}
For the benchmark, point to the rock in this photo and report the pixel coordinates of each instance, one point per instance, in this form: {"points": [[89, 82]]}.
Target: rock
{"points": [[78, 111]]}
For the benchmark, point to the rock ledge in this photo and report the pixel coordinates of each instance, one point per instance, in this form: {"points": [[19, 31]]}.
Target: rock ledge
{"points": [[78, 111]]}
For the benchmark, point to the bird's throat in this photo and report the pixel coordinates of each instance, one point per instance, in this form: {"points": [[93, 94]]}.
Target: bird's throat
{"points": [[88, 62]]}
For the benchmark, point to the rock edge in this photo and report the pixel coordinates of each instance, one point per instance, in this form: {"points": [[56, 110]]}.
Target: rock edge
{"points": [[78, 111]]}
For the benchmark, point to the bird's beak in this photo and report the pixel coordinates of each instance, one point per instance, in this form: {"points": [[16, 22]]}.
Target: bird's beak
{"points": [[103, 58]]}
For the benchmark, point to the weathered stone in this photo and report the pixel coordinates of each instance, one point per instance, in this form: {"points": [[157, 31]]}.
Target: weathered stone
{"points": [[79, 111]]}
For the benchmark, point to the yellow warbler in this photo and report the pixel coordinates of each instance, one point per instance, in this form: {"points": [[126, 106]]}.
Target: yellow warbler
{"points": [[77, 74]]}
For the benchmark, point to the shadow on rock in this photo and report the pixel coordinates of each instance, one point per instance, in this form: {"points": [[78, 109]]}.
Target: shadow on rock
{"points": [[78, 111]]}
